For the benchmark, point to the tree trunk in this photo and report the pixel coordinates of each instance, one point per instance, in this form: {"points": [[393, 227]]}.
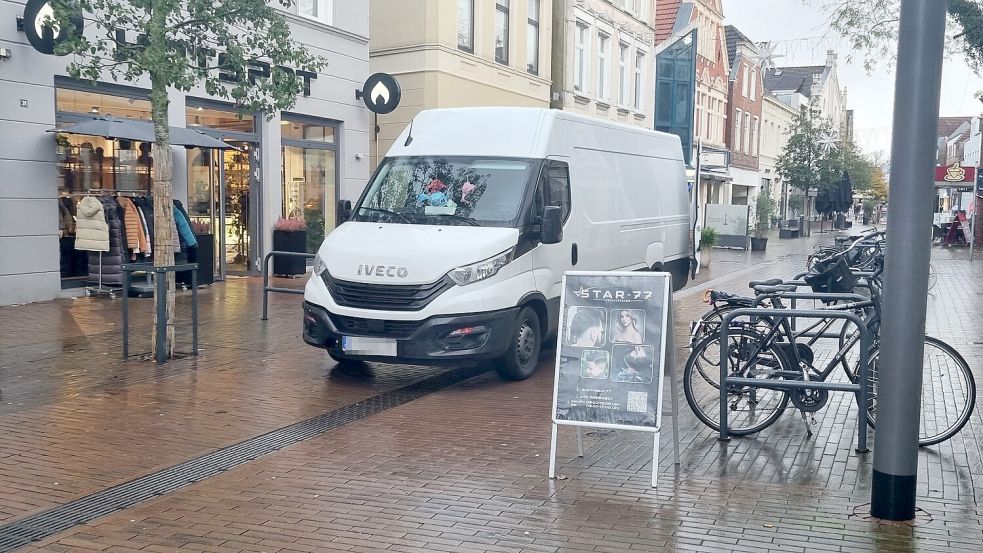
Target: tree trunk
{"points": [[163, 192]]}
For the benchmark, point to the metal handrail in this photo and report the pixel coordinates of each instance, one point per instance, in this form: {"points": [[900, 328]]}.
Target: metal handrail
{"points": [[860, 388], [266, 279]]}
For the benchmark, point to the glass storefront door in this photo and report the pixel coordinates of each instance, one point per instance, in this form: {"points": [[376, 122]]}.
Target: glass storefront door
{"points": [[222, 192], [240, 209]]}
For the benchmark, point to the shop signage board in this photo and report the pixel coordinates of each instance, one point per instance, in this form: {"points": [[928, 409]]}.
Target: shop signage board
{"points": [[42, 33], [380, 93], [955, 176], [614, 349], [730, 222]]}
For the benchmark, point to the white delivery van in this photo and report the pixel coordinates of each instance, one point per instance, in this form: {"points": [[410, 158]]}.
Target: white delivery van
{"points": [[458, 245]]}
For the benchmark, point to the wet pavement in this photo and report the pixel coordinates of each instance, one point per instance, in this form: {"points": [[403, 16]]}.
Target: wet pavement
{"points": [[453, 468]]}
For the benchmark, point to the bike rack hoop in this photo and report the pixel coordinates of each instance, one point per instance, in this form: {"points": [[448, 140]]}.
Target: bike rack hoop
{"points": [[266, 278], [860, 389]]}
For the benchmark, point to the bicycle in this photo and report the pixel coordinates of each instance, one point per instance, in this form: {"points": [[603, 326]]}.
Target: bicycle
{"points": [[770, 349]]}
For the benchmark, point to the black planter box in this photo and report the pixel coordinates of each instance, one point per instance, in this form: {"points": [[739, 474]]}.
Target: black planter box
{"points": [[294, 241], [204, 256], [758, 244]]}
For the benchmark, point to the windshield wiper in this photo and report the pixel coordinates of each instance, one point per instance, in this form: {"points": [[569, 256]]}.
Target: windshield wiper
{"points": [[469, 220], [387, 212]]}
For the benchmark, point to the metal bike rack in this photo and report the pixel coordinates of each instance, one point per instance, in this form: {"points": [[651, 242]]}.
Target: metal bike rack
{"points": [[266, 279], [160, 281], [809, 296], [860, 389]]}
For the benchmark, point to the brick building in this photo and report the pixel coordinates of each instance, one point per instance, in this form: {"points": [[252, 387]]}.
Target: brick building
{"points": [[745, 97]]}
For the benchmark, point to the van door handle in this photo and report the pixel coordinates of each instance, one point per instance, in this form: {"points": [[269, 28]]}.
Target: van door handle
{"points": [[573, 254]]}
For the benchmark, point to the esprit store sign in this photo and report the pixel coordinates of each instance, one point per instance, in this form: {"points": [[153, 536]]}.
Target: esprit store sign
{"points": [[254, 69], [44, 37]]}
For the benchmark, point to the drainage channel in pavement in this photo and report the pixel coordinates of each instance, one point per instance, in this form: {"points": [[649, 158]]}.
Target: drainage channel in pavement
{"points": [[58, 519]]}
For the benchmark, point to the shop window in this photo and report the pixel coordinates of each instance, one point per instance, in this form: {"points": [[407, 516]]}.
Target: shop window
{"points": [[305, 131], [222, 120], [309, 173], [95, 104]]}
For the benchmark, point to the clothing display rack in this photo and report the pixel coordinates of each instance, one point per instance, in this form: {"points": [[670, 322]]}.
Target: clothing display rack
{"points": [[143, 289]]}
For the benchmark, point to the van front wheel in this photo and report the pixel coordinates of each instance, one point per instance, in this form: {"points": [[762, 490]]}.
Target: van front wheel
{"points": [[520, 361]]}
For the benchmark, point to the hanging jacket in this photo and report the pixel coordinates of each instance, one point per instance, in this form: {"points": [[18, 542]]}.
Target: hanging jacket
{"points": [[144, 234], [187, 236], [66, 222], [91, 228], [136, 240], [112, 260], [146, 207]]}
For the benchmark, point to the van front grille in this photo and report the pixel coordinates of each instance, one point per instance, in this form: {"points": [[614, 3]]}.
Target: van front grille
{"points": [[374, 327], [386, 297]]}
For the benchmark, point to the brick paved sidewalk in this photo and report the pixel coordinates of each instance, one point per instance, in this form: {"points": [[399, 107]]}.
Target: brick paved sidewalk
{"points": [[459, 469]]}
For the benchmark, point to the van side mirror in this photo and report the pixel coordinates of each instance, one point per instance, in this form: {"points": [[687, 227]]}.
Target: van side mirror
{"points": [[552, 232], [343, 211]]}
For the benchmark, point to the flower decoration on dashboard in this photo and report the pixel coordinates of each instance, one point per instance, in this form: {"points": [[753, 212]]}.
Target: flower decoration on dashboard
{"points": [[467, 188], [436, 185]]}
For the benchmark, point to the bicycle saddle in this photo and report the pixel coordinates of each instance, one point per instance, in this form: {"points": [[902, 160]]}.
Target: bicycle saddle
{"points": [[719, 295], [769, 282], [775, 289]]}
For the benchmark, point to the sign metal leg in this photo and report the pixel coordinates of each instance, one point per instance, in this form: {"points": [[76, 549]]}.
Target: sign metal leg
{"points": [[553, 453], [580, 442], [655, 458]]}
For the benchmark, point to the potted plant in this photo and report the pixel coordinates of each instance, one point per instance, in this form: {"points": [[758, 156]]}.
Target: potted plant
{"points": [[289, 235], [764, 208], [708, 237]]}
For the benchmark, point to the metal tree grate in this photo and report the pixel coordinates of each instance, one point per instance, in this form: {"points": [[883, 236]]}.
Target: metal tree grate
{"points": [[58, 519]]}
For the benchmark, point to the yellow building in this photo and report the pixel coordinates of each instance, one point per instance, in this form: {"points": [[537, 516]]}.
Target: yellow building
{"points": [[456, 53]]}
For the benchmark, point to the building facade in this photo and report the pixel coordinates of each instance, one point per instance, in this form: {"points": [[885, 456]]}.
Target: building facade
{"points": [[285, 164], [777, 119], [458, 53], [677, 17], [744, 100], [603, 59]]}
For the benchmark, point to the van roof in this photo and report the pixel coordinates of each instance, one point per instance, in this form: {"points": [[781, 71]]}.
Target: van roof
{"points": [[507, 132]]}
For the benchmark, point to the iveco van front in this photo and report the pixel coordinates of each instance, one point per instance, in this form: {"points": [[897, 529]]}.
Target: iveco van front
{"points": [[433, 265]]}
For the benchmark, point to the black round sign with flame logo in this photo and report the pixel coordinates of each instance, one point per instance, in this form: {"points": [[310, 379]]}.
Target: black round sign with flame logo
{"points": [[381, 93], [42, 31]]}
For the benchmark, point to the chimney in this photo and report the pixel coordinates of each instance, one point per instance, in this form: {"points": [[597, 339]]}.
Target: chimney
{"points": [[830, 58]]}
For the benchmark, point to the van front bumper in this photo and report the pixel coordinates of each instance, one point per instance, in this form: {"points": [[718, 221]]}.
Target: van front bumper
{"points": [[439, 339]]}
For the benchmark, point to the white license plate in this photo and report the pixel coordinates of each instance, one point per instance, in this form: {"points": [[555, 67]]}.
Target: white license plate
{"points": [[369, 346]]}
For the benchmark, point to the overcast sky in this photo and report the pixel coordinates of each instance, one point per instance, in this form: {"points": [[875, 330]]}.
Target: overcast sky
{"points": [[798, 31]]}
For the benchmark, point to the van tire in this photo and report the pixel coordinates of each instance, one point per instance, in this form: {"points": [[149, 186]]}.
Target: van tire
{"points": [[520, 361]]}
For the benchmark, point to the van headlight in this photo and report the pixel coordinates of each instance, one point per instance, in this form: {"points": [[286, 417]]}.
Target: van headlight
{"points": [[319, 265], [481, 270]]}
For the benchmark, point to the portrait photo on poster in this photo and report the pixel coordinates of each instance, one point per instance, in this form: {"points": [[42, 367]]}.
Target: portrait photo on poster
{"points": [[627, 326], [633, 364], [595, 364], [585, 327]]}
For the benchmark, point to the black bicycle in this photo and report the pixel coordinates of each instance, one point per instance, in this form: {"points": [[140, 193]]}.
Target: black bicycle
{"points": [[769, 348]]}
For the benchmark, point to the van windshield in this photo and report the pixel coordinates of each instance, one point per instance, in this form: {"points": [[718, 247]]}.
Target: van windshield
{"points": [[447, 191]]}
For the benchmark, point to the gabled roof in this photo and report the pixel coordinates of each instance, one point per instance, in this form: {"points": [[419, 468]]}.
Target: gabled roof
{"points": [[734, 37], [796, 79], [949, 125], [665, 18]]}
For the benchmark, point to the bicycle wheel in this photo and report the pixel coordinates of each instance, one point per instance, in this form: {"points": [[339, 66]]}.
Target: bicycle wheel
{"points": [[750, 409], [932, 277], [709, 323], [948, 392]]}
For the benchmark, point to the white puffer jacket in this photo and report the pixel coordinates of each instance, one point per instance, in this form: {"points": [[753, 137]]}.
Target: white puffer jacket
{"points": [[91, 228]]}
